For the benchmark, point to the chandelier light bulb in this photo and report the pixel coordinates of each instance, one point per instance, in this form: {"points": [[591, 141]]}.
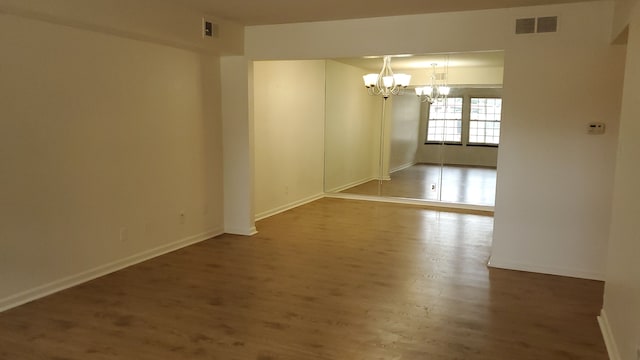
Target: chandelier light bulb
{"points": [[388, 81], [370, 80], [402, 79]]}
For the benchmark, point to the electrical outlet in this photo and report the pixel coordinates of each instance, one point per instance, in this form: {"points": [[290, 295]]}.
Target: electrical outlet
{"points": [[596, 128], [433, 187]]}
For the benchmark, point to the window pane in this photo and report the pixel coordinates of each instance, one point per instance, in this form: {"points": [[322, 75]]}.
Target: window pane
{"points": [[451, 109], [484, 132], [485, 116], [445, 120], [486, 109]]}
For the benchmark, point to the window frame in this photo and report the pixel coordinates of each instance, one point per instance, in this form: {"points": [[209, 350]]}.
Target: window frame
{"points": [[461, 120], [499, 121]]}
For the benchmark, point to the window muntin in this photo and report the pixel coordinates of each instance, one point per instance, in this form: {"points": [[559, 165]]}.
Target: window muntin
{"points": [[445, 121], [484, 121]]}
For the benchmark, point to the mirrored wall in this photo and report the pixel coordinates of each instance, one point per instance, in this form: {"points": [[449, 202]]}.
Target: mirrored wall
{"points": [[444, 152]]}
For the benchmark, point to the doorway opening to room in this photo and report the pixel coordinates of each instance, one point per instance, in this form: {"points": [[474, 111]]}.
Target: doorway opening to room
{"points": [[334, 139]]}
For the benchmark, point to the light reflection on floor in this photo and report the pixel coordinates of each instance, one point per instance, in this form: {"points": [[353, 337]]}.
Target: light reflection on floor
{"points": [[460, 184]]}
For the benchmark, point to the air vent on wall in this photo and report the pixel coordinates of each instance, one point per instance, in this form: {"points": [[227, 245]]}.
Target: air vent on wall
{"points": [[526, 26], [545, 24]]}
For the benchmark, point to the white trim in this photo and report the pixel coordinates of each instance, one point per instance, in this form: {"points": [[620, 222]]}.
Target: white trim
{"points": [[607, 335], [289, 206], [244, 232], [542, 269], [402, 167], [73, 280], [436, 204], [350, 185]]}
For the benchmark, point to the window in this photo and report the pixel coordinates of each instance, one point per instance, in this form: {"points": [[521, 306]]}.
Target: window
{"points": [[484, 121], [445, 121]]}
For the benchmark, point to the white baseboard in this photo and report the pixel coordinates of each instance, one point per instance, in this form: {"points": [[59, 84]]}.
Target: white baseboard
{"points": [[244, 232], [580, 274], [402, 167], [607, 335], [289, 206], [350, 185], [73, 280]]}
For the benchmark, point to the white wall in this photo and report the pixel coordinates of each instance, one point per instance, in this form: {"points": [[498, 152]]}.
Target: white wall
{"points": [[238, 145], [165, 23], [413, 34], [622, 289], [352, 128], [105, 141], [466, 75], [554, 181], [404, 132], [289, 133]]}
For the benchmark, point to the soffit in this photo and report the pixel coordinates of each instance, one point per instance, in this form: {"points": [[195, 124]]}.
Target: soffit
{"points": [[417, 62]]}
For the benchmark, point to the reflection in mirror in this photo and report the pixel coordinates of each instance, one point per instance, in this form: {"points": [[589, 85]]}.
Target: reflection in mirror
{"points": [[445, 151]]}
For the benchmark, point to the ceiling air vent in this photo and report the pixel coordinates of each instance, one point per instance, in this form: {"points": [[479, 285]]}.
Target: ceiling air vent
{"points": [[547, 24], [526, 26]]}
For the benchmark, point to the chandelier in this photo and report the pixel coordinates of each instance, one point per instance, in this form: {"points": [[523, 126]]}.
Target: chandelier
{"points": [[434, 92], [386, 83]]}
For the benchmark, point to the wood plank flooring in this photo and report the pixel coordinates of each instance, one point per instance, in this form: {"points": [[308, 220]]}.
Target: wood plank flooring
{"points": [[335, 279], [460, 184]]}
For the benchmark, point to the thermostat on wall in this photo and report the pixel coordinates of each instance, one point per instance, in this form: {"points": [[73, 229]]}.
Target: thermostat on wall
{"points": [[595, 128]]}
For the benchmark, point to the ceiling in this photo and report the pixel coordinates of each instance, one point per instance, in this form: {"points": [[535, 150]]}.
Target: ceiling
{"points": [[262, 12]]}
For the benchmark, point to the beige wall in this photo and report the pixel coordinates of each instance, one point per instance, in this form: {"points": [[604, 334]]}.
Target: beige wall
{"points": [[289, 133], [554, 181], [622, 16], [105, 142], [352, 128], [405, 124], [622, 289]]}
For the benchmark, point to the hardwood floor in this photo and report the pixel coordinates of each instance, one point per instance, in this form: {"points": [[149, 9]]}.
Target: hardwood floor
{"points": [[335, 279], [460, 184]]}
